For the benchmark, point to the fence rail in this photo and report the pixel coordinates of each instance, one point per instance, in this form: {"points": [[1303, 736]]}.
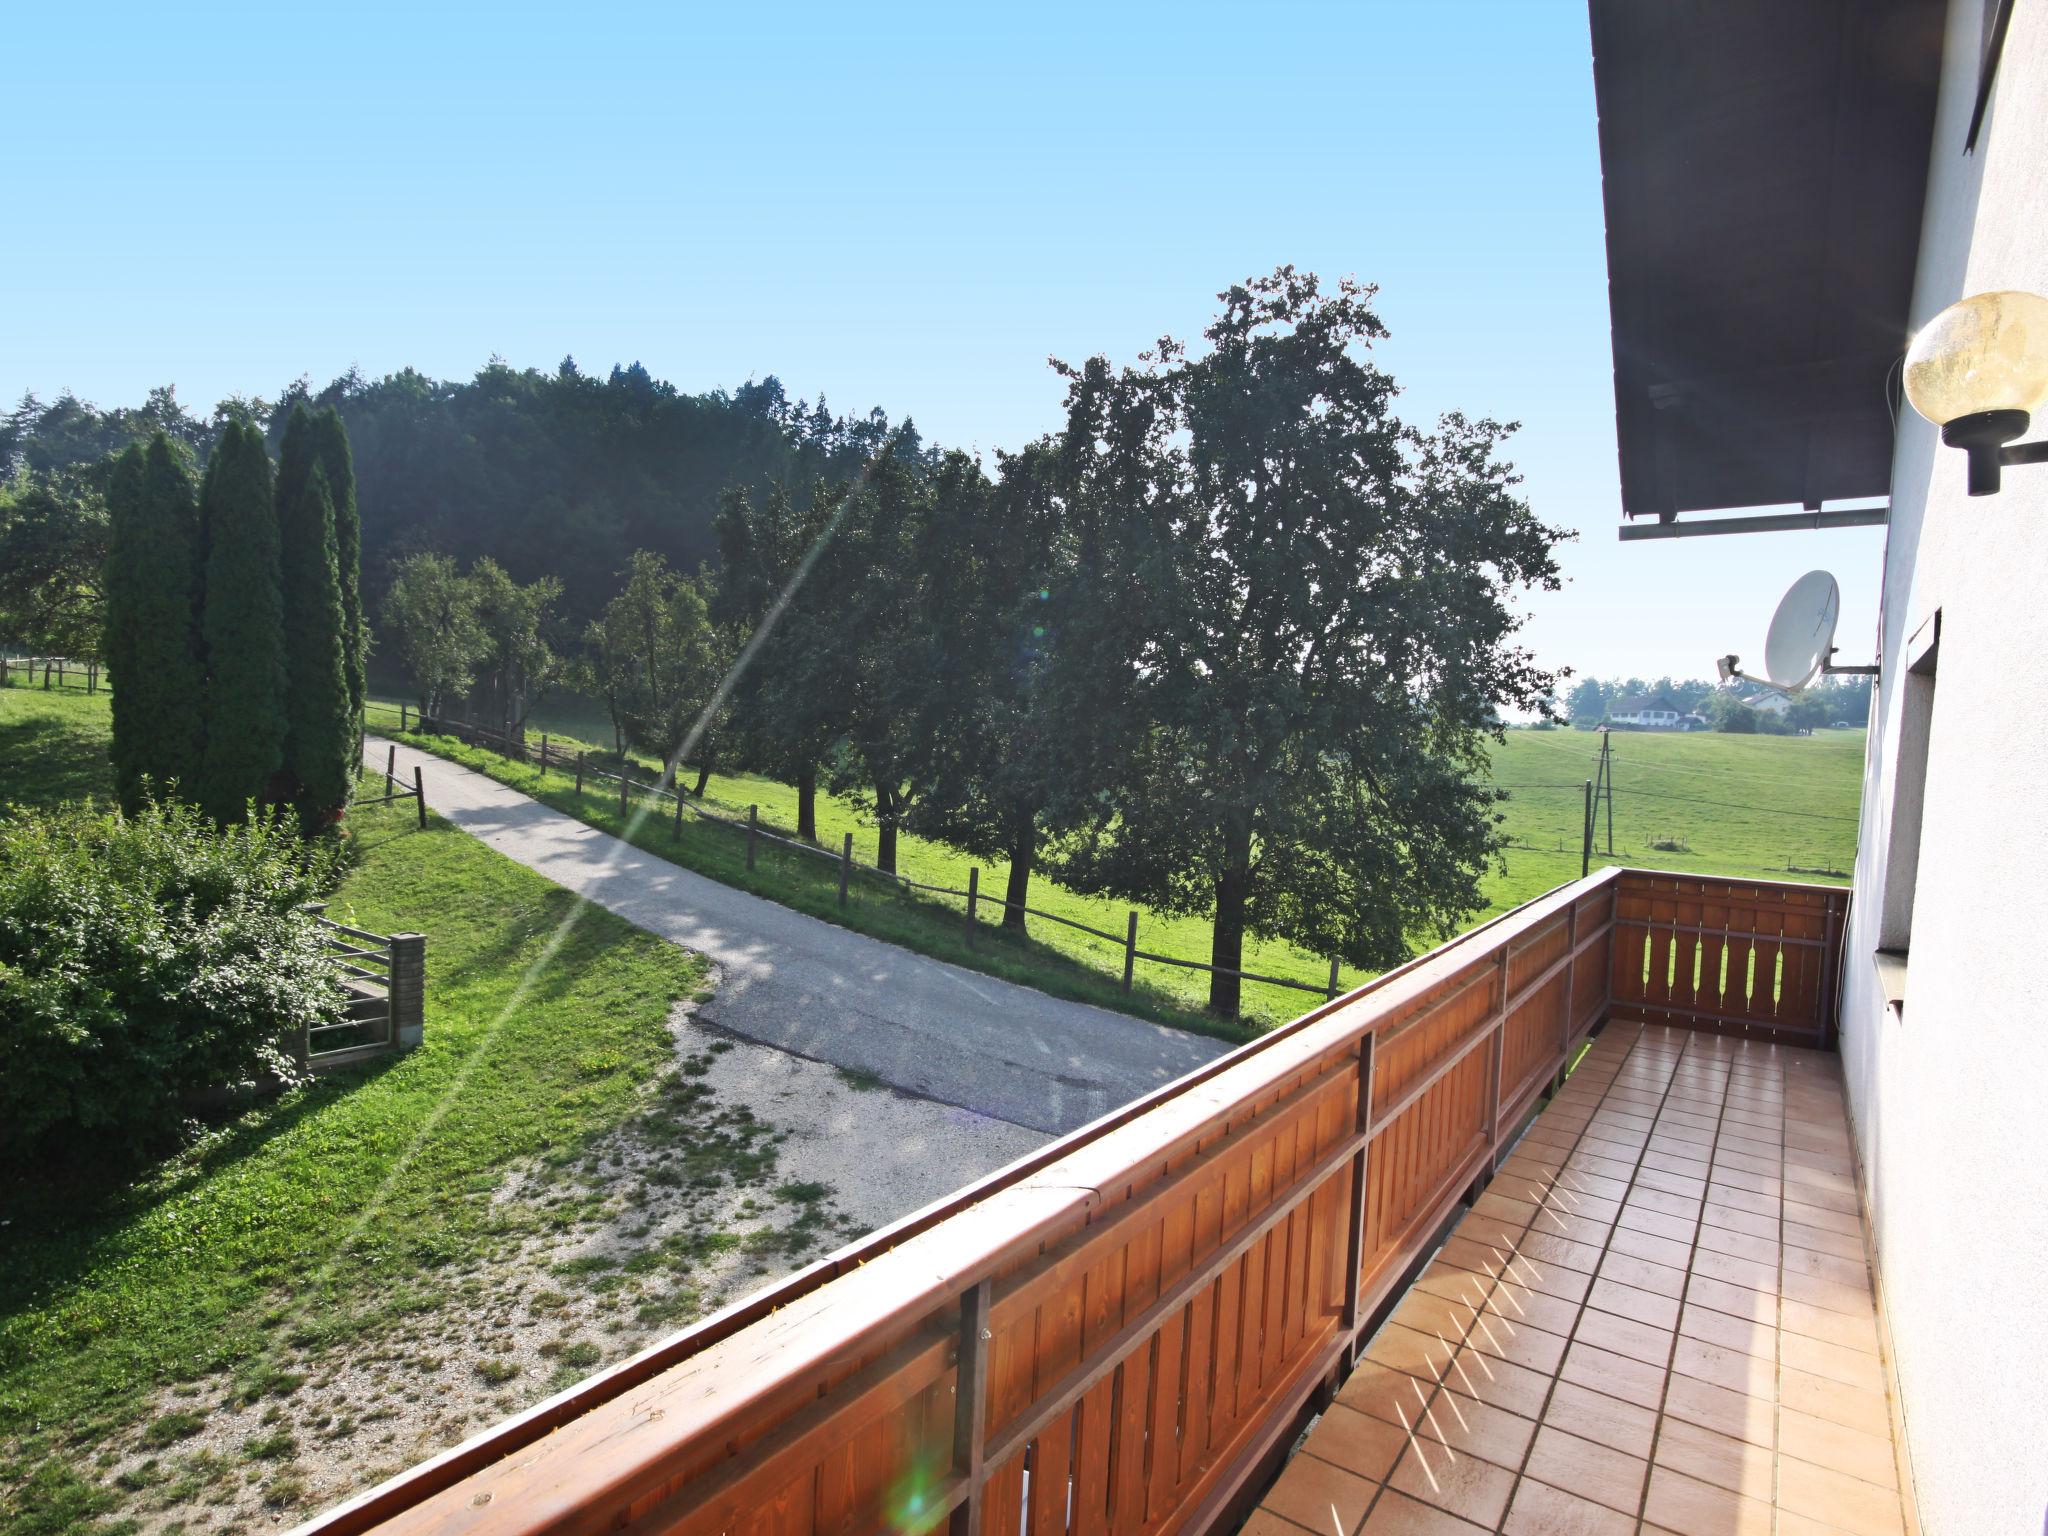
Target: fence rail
{"points": [[972, 896], [384, 978], [55, 672], [1117, 1332]]}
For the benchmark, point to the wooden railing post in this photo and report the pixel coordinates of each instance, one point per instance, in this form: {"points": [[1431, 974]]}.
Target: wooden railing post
{"points": [[970, 1406], [404, 716], [753, 832], [580, 756], [973, 900], [1130, 950], [845, 866], [543, 754], [1571, 993], [419, 795], [1361, 1162], [675, 831], [624, 784], [408, 989], [1496, 1066], [391, 769]]}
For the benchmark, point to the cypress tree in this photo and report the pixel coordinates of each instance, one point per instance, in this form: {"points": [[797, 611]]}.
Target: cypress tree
{"points": [[331, 450], [320, 732], [124, 512], [152, 642], [243, 627]]}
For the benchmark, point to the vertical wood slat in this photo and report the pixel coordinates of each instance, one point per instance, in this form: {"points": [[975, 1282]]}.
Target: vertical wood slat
{"points": [[970, 1406]]}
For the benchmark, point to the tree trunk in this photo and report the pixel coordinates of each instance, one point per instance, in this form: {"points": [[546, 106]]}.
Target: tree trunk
{"points": [[885, 830], [807, 803], [1023, 851], [1226, 946], [703, 778]]}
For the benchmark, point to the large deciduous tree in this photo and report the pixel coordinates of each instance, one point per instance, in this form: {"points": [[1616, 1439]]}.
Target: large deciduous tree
{"points": [[430, 611], [776, 720], [979, 740], [518, 662], [1300, 633], [663, 658], [53, 556], [154, 648], [243, 627]]}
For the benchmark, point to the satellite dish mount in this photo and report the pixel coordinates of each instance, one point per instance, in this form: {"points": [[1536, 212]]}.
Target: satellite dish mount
{"points": [[1801, 644]]}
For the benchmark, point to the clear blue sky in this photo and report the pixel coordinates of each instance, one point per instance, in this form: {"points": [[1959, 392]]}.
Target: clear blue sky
{"points": [[904, 206]]}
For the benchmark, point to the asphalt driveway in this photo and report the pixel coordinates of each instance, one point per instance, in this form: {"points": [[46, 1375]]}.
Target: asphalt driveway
{"points": [[817, 990]]}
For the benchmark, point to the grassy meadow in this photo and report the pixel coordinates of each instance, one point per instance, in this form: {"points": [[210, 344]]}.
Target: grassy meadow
{"points": [[1724, 804]]}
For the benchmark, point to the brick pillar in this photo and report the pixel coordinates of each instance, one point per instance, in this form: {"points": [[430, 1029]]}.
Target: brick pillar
{"points": [[408, 989]]}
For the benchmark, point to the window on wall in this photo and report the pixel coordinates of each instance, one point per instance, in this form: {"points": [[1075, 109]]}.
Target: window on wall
{"points": [[1909, 799]]}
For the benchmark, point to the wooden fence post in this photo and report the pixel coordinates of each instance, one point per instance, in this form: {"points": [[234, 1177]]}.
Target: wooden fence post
{"points": [[419, 795], [391, 769], [1130, 950], [1586, 841], [675, 832], [92, 677], [543, 754], [408, 992], [753, 831], [624, 783], [845, 866], [579, 774], [1331, 990], [973, 900]]}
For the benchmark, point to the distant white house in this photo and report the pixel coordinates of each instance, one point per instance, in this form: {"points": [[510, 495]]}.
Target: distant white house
{"points": [[1650, 714], [1768, 703]]}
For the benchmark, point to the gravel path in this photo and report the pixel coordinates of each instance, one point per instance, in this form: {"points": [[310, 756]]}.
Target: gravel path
{"points": [[817, 990]]}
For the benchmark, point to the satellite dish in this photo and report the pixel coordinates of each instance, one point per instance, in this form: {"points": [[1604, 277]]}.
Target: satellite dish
{"points": [[1802, 636]]}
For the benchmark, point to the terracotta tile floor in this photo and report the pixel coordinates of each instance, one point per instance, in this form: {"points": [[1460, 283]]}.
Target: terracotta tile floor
{"points": [[1656, 1318]]}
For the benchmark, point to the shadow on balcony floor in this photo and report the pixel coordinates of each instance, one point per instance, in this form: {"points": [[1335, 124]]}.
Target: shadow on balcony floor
{"points": [[1658, 1317]]}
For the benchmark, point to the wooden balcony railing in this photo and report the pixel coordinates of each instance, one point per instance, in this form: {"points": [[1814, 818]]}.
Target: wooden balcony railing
{"points": [[1117, 1332]]}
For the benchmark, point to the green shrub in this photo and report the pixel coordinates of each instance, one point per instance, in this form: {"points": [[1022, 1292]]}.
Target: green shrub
{"points": [[143, 958]]}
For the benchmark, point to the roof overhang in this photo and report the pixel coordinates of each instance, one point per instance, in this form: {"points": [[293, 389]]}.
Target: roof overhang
{"points": [[1764, 167]]}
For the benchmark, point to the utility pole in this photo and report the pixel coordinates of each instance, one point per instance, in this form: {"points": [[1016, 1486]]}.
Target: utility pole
{"points": [[1607, 783]]}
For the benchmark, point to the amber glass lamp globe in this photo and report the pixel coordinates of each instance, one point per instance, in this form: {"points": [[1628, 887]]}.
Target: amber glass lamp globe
{"points": [[1987, 353]]}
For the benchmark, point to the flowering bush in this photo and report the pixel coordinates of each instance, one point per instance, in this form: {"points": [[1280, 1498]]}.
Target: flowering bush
{"points": [[143, 957]]}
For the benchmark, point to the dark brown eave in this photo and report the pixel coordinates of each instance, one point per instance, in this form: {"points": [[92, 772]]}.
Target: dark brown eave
{"points": [[1764, 166]]}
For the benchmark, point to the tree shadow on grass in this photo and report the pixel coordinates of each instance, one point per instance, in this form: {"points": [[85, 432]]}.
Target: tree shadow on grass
{"points": [[46, 761], [61, 1219]]}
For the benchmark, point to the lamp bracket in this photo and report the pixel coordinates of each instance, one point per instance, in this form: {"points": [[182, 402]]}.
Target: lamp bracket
{"points": [[1987, 438]]}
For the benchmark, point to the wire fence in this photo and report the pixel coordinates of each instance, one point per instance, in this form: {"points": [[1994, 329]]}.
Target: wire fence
{"points": [[972, 895]]}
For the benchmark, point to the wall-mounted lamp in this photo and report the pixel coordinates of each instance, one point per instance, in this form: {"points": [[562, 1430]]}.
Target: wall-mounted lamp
{"points": [[1979, 370]]}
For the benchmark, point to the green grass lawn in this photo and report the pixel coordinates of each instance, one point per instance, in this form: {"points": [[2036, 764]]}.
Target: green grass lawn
{"points": [[1777, 799], [320, 1216]]}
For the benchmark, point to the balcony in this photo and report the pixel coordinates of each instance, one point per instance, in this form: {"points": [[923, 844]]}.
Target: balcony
{"points": [[1129, 1330]]}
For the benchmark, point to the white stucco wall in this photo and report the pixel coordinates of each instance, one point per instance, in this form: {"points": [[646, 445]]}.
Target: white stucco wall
{"points": [[1951, 1102]]}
